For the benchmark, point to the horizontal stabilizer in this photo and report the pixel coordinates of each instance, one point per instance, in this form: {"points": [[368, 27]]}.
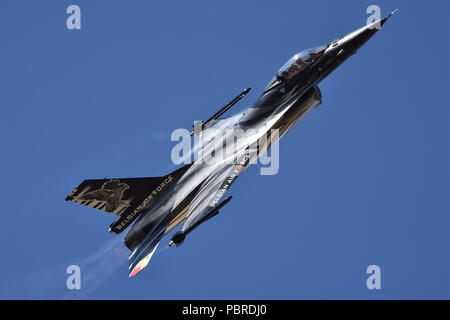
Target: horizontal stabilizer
{"points": [[142, 263], [141, 255]]}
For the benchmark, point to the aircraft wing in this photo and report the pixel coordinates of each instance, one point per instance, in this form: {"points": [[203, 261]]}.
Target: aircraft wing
{"points": [[204, 205], [212, 191]]}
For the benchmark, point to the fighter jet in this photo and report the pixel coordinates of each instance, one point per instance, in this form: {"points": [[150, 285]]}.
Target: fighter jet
{"points": [[193, 193]]}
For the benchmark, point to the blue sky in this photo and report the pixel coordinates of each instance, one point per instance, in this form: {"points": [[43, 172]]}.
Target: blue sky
{"points": [[363, 180]]}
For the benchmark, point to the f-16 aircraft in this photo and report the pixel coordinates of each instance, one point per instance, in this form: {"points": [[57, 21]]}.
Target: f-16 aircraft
{"points": [[192, 194]]}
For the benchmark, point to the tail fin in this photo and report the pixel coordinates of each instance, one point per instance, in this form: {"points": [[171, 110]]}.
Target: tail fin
{"points": [[128, 197]]}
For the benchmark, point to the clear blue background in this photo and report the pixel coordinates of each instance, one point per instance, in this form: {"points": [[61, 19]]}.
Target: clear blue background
{"points": [[363, 180]]}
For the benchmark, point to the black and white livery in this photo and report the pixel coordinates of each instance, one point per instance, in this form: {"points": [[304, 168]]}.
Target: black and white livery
{"points": [[194, 193]]}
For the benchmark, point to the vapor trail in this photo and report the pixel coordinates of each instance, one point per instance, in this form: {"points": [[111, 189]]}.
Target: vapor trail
{"points": [[97, 267]]}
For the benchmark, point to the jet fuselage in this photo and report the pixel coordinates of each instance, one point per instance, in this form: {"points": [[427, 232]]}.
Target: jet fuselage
{"points": [[280, 106]]}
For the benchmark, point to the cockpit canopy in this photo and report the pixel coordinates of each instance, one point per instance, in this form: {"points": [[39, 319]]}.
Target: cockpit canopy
{"points": [[297, 64], [300, 61]]}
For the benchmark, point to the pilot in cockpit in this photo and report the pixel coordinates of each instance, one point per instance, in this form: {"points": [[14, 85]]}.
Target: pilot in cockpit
{"points": [[296, 64]]}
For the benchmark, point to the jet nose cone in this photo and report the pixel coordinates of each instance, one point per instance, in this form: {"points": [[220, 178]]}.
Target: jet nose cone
{"points": [[382, 21], [354, 40]]}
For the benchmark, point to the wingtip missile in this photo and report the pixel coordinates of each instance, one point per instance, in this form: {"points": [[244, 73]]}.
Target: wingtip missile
{"points": [[227, 106], [179, 237]]}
